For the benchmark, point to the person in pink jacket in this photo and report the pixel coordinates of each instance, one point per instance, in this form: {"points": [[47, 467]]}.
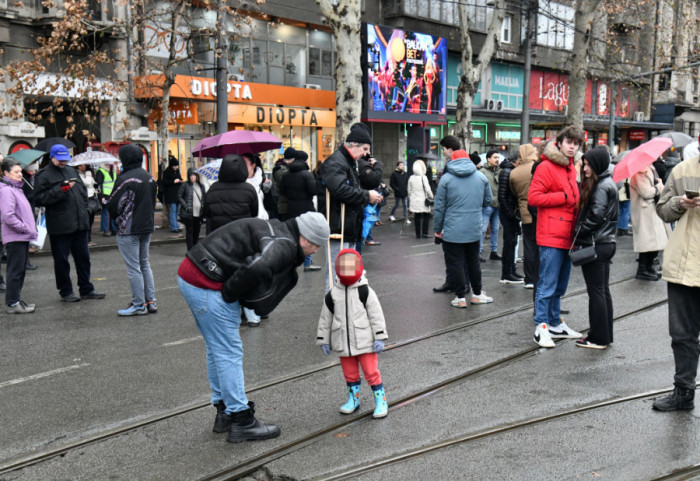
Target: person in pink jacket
{"points": [[555, 194], [18, 228]]}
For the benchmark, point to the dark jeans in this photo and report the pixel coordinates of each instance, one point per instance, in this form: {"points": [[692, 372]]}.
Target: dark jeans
{"points": [[193, 227], [91, 220], [510, 239], [600, 305], [422, 223], [17, 253], [456, 257], [684, 328], [405, 208], [531, 254], [77, 245]]}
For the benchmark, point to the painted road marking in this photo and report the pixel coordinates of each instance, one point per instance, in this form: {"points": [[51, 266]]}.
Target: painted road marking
{"points": [[42, 374], [184, 341]]}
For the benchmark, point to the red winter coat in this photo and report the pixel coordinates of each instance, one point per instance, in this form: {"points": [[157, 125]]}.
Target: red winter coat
{"points": [[555, 194]]}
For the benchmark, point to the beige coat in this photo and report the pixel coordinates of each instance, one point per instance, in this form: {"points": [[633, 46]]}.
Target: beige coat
{"points": [[354, 323], [682, 254], [649, 231], [520, 179], [418, 189]]}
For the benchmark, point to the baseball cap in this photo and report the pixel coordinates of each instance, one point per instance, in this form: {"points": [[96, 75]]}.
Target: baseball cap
{"points": [[60, 152]]}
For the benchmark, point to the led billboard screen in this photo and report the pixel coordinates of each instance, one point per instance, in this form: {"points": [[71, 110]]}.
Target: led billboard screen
{"points": [[406, 75]]}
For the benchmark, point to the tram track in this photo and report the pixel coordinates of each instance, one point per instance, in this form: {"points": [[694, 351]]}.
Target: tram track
{"points": [[255, 463]]}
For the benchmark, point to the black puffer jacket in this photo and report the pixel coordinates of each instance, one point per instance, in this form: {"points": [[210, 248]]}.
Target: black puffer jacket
{"points": [[299, 187], [507, 202], [598, 219], [340, 177], [186, 196], [231, 197], [399, 182], [66, 212], [133, 201], [254, 258]]}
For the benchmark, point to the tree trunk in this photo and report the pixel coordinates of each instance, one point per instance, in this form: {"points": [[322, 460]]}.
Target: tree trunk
{"points": [[344, 20], [472, 71], [585, 11]]}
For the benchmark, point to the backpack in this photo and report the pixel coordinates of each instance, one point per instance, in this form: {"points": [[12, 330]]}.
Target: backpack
{"points": [[363, 290]]}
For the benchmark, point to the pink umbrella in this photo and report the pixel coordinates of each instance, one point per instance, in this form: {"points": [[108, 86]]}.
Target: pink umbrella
{"points": [[236, 142], [641, 157]]}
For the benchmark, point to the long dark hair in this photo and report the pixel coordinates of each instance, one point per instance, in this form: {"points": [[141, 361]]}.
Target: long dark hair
{"points": [[587, 186]]}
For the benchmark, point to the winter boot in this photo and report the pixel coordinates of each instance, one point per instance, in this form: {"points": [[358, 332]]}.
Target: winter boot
{"points": [[223, 421], [353, 403], [644, 272], [679, 399], [244, 427], [381, 408]]}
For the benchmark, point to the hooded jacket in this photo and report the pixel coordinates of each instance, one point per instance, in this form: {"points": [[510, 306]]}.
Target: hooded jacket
{"points": [[352, 327], [650, 232], [598, 218], [682, 253], [521, 177], [133, 200], [419, 189], [172, 189], [255, 259], [339, 175], [16, 214], [66, 212], [186, 196], [554, 192], [299, 187], [507, 202], [462, 193], [278, 172], [231, 197]]}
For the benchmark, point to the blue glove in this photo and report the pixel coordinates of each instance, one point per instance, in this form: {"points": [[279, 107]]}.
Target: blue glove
{"points": [[326, 349], [378, 346]]}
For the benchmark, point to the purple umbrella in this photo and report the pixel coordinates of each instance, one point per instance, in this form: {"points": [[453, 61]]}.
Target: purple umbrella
{"points": [[236, 142]]}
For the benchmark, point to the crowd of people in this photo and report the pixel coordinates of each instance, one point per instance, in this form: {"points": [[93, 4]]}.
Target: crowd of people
{"points": [[561, 203]]}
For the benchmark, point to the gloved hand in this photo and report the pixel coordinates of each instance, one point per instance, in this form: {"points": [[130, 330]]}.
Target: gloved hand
{"points": [[378, 346], [326, 349]]}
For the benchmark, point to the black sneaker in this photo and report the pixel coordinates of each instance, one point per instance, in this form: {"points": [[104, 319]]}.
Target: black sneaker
{"points": [[515, 274], [30, 266], [495, 257], [93, 295], [443, 288], [679, 399], [70, 298], [312, 268], [511, 279]]}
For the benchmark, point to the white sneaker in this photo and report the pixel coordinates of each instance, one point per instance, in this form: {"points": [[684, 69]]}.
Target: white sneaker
{"points": [[542, 336], [562, 331], [459, 302], [392, 218], [529, 286], [481, 299], [408, 221]]}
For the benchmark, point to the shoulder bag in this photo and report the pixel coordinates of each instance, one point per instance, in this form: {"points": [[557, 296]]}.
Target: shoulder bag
{"points": [[584, 255], [428, 202]]}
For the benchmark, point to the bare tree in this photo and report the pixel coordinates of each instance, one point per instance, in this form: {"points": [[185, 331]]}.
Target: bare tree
{"points": [[344, 20], [472, 70]]}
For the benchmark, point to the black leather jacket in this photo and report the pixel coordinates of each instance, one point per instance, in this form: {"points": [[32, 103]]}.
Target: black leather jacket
{"points": [[254, 258], [598, 219]]}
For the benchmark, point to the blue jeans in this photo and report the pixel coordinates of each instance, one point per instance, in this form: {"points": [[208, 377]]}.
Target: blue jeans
{"points": [[401, 200], [134, 251], [106, 224], [173, 217], [307, 261], [489, 215], [218, 322], [555, 269], [623, 221]]}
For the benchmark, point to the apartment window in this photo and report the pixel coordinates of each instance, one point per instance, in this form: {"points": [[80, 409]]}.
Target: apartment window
{"points": [[555, 25], [320, 54], [506, 29]]}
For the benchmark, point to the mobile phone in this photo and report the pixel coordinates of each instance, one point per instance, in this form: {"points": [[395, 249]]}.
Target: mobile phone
{"points": [[691, 194]]}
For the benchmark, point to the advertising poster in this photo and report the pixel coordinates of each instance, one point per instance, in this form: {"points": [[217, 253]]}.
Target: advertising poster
{"points": [[406, 74], [549, 91]]}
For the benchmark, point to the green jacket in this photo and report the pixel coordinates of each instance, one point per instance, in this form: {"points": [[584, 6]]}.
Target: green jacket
{"points": [[491, 174], [682, 253]]}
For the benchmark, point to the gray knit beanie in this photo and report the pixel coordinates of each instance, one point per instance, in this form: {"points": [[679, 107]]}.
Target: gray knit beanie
{"points": [[314, 228]]}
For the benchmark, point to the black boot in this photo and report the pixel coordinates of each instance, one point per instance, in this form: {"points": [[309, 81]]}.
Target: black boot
{"points": [[443, 288], [677, 400], [245, 427], [643, 273], [223, 421]]}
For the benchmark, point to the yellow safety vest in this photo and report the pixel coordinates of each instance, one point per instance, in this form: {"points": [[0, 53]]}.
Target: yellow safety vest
{"points": [[106, 185]]}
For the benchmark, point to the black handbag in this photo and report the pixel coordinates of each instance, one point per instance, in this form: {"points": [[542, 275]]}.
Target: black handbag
{"points": [[94, 206], [584, 255], [428, 202]]}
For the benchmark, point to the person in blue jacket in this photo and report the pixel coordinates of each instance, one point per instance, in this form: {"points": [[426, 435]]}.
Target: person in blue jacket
{"points": [[461, 195]]}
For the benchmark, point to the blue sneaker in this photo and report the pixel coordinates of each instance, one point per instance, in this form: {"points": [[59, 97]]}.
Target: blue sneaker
{"points": [[133, 310], [152, 307], [353, 403]]}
